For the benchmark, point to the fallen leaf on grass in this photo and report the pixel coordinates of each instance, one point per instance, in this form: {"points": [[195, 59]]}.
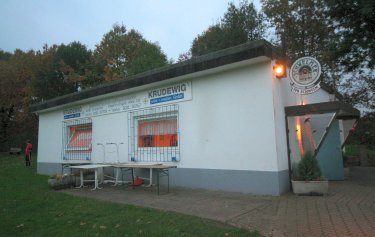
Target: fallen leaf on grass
{"points": [[20, 225], [102, 227], [82, 223], [94, 226], [226, 234]]}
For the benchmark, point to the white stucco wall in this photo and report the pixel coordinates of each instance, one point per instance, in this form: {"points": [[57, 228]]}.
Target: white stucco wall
{"points": [[110, 128], [229, 124], [280, 99], [50, 137]]}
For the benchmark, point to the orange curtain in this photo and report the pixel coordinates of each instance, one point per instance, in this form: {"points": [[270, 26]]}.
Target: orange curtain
{"points": [[157, 133]]}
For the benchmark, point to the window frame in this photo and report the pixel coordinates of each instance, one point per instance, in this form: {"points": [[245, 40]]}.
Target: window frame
{"points": [[76, 154], [154, 153], [71, 135]]}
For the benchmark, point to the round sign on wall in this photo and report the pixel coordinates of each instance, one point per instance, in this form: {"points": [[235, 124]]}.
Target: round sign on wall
{"points": [[304, 75]]}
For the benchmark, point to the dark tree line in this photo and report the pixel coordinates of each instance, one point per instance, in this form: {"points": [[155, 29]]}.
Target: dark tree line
{"points": [[34, 76], [239, 25]]}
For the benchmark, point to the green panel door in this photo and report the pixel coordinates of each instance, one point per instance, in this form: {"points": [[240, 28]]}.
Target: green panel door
{"points": [[330, 154]]}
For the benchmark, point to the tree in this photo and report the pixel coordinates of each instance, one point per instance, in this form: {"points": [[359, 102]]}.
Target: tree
{"points": [[60, 70], [213, 39], [6, 104], [75, 61], [124, 53], [365, 131], [4, 55], [74, 55], [359, 90], [16, 123], [239, 25], [302, 29], [243, 23], [50, 80], [354, 21]]}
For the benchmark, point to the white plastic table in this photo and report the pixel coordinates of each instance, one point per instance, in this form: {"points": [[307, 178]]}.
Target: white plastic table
{"points": [[161, 169], [94, 167]]}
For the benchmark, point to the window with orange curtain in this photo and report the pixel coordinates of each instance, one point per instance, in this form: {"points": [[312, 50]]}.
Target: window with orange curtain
{"points": [[160, 132], [80, 137]]}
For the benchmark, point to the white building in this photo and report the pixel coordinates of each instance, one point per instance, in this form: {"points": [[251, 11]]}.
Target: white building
{"points": [[221, 118]]}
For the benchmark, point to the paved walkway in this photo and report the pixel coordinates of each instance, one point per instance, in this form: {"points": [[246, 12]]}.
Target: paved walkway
{"points": [[349, 209]]}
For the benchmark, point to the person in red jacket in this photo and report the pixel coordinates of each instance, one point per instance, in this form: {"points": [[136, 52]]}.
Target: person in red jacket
{"points": [[29, 148]]}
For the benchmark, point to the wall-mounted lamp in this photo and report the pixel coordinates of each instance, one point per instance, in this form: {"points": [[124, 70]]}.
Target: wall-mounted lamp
{"points": [[280, 70]]}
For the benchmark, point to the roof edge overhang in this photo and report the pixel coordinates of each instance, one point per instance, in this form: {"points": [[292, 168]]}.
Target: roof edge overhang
{"points": [[343, 110], [331, 90], [243, 52]]}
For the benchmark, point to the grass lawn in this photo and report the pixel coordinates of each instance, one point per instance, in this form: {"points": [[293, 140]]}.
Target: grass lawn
{"points": [[352, 150], [29, 208]]}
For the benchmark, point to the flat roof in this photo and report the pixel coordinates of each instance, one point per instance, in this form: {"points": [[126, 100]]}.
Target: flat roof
{"points": [[213, 60]]}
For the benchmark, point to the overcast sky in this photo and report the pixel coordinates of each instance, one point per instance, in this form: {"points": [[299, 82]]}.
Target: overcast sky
{"points": [[29, 24]]}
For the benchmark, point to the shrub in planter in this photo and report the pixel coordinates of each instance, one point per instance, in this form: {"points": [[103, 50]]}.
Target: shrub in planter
{"points": [[308, 179], [308, 169]]}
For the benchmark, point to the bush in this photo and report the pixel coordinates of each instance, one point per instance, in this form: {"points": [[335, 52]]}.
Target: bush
{"points": [[308, 168]]}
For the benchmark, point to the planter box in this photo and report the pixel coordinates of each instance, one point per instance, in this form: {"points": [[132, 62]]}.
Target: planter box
{"points": [[310, 187], [57, 184]]}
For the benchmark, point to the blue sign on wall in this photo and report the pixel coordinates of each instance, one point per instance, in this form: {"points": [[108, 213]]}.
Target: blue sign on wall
{"points": [[167, 98], [75, 115]]}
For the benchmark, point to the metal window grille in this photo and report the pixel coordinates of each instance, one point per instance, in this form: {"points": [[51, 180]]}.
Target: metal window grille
{"points": [[77, 140], [154, 134]]}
